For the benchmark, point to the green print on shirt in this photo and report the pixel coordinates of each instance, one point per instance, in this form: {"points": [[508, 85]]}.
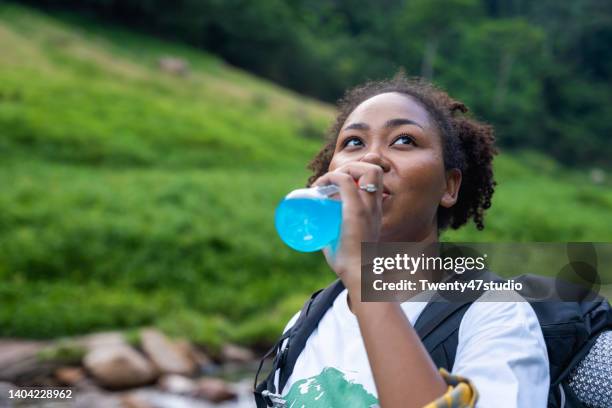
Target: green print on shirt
{"points": [[329, 389]]}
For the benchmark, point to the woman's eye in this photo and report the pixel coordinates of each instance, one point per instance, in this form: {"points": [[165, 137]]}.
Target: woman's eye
{"points": [[404, 139], [352, 141]]}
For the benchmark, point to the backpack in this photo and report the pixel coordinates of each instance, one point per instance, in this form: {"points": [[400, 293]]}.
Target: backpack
{"points": [[572, 330]]}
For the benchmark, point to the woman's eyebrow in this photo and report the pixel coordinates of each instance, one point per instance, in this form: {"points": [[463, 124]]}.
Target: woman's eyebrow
{"points": [[399, 122], [391, 123], [358, 126]]}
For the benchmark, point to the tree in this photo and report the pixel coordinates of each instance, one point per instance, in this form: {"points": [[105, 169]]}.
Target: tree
{"points": [[430, 21]]}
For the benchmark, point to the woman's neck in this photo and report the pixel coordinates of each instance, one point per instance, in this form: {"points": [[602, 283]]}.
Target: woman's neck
{"points": [[429, 236]]}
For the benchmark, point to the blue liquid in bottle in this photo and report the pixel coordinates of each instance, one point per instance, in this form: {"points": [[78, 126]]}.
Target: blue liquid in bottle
{"points": [[309, 221]]}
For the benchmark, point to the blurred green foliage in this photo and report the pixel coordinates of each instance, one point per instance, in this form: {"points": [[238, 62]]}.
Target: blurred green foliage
{"points": [[539, 71], [132, 197]]}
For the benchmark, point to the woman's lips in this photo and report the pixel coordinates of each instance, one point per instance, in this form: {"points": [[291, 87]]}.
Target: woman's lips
{"points": [[385, 192]]}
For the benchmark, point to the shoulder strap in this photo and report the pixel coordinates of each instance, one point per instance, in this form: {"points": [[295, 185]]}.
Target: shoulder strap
{"points": [[435, 314], [309, 319], [296, 336], [438, 324]]}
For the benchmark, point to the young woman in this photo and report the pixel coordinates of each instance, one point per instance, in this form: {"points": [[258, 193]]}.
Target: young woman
{"points": [[409, 163]]}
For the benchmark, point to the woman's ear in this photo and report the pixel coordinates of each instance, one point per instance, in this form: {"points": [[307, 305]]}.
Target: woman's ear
{"points": [[451, 192]]}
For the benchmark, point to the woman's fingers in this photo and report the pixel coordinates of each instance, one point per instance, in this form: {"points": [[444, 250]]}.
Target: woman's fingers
{"points": [[349, 194], [361, 215], [364, 175], [368, 175], [356, 201]]}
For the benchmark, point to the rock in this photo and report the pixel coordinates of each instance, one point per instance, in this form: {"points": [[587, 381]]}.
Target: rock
{"points": [[237, 354], [119, 366], [198, 357], [5, 387], [176, 384], [77, 379], [19, 360], [102, 339], [213, 369], [174, 66], [70, 375], [168, 358], [214, 389], [95, 399], [159, 399], [134, 400], [87, 384], [598, 176]]}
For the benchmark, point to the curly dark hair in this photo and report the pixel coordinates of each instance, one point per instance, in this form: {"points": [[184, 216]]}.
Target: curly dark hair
{"points": [[468, 144]]}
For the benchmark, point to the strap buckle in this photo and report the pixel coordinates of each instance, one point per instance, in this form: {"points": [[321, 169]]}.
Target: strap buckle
{"points": [[276, 399]]}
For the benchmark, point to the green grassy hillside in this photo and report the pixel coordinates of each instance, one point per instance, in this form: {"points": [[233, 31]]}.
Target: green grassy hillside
{"points": [[134, 197]]}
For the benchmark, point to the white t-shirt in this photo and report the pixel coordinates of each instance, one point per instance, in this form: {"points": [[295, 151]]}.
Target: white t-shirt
{"points": [[501, 350]]}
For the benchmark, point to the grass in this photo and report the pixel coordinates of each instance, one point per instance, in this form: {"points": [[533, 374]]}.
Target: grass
{"points": [[133, 197]]}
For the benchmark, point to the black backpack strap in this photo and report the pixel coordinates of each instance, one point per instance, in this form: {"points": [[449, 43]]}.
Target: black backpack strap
{"points": [[297, 335], [438, 324], [318, 306], [435, 314], [261, 399]]}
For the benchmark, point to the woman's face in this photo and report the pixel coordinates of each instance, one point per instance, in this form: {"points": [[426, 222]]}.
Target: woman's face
{"points": [[394, 131]]}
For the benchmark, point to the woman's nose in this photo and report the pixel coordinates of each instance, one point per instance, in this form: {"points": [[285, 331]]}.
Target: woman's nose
{"points": [[376, 158]]}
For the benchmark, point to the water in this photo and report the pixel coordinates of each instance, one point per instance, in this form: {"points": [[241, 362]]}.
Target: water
{"points": [[308, 224]]}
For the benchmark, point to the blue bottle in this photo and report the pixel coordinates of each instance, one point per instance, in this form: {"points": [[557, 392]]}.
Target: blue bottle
{"points": [[308, 220]]}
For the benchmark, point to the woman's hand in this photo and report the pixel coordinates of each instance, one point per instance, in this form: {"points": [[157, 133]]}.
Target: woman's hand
{"points": [[361, 218]]}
